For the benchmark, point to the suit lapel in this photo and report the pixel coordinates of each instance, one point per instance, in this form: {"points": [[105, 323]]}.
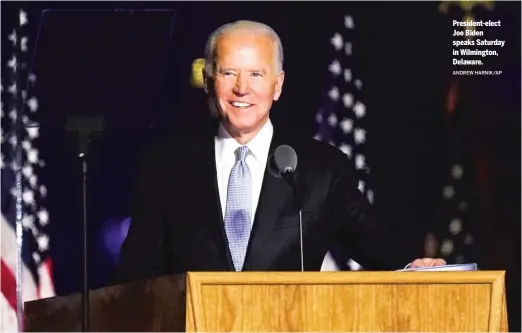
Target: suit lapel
{"points": [[212, 201], [275, 194]]}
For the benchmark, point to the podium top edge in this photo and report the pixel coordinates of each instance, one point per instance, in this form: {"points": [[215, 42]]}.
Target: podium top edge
{"points": [[346, 277]]}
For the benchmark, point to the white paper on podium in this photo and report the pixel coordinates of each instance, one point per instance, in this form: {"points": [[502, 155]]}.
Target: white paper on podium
{"points": [[443, 268]]}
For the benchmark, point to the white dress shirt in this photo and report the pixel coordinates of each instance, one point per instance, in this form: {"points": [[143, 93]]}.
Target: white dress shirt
{"points": [[225, 147]]}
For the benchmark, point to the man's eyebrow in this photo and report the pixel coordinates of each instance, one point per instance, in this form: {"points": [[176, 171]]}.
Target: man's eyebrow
{"points": [[224, 69], [257, 70], [228, 69]]}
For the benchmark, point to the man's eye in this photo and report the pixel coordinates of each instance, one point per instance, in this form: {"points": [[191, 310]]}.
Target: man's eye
{"points": [[256, 74]]}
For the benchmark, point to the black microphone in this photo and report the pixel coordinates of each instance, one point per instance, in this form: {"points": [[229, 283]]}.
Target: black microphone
{"points": [[283, 164]]}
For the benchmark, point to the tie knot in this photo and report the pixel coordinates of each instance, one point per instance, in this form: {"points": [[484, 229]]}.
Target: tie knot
{"points": [[241, 153]]}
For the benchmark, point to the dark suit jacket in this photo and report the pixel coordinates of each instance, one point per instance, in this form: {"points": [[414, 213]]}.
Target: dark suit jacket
{"points": [[177, 222]]}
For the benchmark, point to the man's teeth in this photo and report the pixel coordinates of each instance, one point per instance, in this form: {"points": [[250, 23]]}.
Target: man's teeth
{"points": [[240, 105]]}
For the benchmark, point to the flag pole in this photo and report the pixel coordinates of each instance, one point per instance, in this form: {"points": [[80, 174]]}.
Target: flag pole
{"points": [[19, 99]]}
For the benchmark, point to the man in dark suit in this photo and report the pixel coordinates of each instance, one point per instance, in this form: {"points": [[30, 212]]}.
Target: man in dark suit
{"points": [[210, 203]]}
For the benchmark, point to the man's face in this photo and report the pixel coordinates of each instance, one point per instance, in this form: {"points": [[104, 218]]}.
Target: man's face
{"points": [[245, 82]]}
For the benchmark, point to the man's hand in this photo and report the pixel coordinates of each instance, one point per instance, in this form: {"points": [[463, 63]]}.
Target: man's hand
{"points": [[427, 262]]}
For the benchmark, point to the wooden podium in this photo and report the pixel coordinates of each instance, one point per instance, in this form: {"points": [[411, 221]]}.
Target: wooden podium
{"points": [[287, 302]]}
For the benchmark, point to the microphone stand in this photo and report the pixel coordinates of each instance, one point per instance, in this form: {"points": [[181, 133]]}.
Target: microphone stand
{"points": [[84, 143], [288, 175], [84, 126]]}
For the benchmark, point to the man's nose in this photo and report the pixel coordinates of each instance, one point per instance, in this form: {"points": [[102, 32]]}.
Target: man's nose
{"points": [[241, 87]]}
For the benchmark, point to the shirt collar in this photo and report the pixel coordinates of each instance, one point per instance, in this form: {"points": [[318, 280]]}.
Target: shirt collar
{"points": [[259, 146]]}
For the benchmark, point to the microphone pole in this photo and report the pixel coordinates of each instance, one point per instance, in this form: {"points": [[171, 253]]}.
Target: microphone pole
{"points": [[288, 175], [283, 163], [84, 126], [82, 154]]}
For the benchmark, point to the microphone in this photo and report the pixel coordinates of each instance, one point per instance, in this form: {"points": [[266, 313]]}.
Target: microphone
{"points": [[283, 164]]}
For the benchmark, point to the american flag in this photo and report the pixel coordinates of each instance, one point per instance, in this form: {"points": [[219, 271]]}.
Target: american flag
{"points": [[25, 261], [341, 119], [454, 233], [456, 240]]}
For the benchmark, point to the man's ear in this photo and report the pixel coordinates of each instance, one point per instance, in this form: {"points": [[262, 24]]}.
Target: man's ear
{"points": [[208, 83], [279, 85], [205, 79]]}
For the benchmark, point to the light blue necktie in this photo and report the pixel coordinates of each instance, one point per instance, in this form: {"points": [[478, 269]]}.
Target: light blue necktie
{"points": [[238, 210]]}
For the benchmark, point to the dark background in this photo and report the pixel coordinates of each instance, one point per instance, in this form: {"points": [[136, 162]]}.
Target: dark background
{"points": [[133, 68]]}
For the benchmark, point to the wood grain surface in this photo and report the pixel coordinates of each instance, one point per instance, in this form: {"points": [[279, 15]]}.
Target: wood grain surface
{"points": [[346, 301]]}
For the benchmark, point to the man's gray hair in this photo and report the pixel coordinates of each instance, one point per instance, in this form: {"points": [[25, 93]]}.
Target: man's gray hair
{"points": [[245, 27]]}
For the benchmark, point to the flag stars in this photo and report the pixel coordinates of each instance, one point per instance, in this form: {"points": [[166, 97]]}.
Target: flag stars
{"points": [[28, 221], [360, 162], [33, 132], [369, 196], [347, 75], [337, 41], [43, 242], [359, 135], [334, 93], [27, 170], [348, 48], [12, 88], [33, 181], [36, 257], [22, 18], [12, 140], [43, 191], [12, 37], [359, 109], [348, 22], [347, 125], [455, 226], [346, 149], [319, 117], [32, 156], [332, 120], [354, 265], [43, 216], [358, 84], [32, 78], [28, 197], [335, 67], [448, 192], [361, 186], [446, 247], [347, 100], [457, 171], [12, 63], [12, 115], [26, 145], [23, 44]]}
